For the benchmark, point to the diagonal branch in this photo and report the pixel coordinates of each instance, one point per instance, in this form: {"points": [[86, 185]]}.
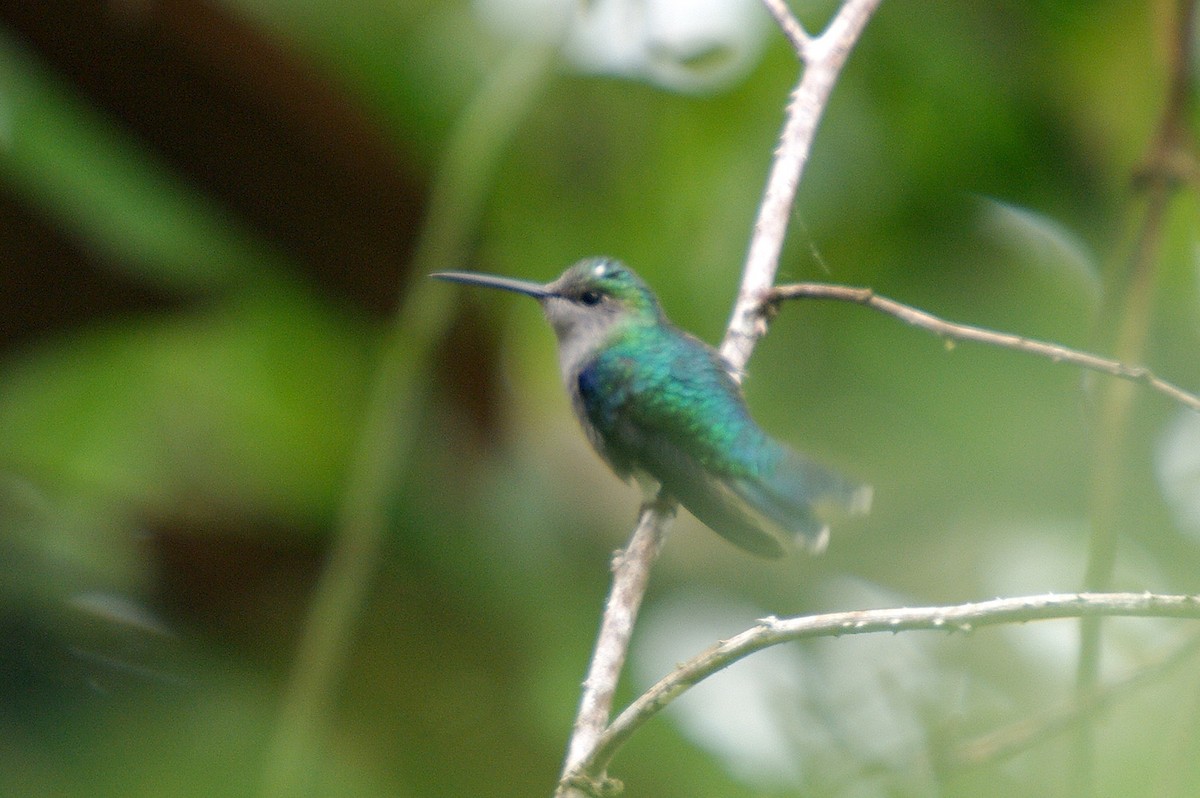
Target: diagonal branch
{"points": [[967, 332], [791, 27], [1024, 734], [631, 573], [823, 59], [954, 618]]}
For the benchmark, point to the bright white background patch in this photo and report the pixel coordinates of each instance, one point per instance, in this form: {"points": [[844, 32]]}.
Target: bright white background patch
{"points": [[1178, 461], [847, 712], [680, 45]]}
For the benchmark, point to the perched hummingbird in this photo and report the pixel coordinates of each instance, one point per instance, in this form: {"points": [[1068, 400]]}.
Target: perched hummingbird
{"points": [[660, 405]]}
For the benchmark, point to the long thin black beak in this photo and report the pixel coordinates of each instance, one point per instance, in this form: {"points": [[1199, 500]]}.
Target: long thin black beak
{"points": [[535, 290]]}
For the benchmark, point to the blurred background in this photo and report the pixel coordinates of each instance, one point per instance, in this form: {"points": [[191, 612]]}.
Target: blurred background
{"points": [[281, 517]]}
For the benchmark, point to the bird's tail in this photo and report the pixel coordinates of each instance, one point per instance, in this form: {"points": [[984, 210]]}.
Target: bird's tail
{"points": [[803, 498]]}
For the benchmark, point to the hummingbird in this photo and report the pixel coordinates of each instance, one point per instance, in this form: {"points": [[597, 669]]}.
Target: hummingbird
{"points": [[663, 407]]}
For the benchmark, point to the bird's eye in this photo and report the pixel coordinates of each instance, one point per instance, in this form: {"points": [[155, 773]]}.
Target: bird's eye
{"points": [[591, 298]]}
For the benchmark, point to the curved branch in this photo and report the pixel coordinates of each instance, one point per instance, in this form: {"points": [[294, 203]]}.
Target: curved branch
{"points": [[954, 618], [968, 332]]}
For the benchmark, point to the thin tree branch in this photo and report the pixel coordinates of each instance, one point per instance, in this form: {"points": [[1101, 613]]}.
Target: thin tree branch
{"points": [[790, 26], [967, 332], [822, 58], [953, 618], [387, 433], [631, 573], [1008, 741], [1131, 292]]}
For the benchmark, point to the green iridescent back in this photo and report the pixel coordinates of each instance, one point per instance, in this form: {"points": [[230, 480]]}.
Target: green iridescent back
{"points": [[655, 377]]}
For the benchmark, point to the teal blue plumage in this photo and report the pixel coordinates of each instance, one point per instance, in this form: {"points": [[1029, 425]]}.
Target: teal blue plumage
{"points": [[660, 405]]}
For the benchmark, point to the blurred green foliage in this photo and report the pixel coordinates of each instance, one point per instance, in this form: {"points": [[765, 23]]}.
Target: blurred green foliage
{"points": [[171, 475]]}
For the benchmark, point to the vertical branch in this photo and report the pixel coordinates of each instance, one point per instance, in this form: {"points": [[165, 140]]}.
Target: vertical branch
{"points": [[386, 438], [1169, 163], [822, 60], [631, 574]]}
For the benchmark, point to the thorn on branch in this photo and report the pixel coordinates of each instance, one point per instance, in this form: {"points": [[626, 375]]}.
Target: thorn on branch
{"points": [[962, 617], [602, 787]]}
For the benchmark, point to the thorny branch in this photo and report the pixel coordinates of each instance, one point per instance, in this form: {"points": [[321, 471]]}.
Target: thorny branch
{"points": [[823, 58], [966, 332], [955, 618], [631, 573]]}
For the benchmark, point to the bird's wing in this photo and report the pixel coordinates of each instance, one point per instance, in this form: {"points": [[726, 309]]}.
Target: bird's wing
{"points": [[674, 412], [649, 412], [711, 499]]}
